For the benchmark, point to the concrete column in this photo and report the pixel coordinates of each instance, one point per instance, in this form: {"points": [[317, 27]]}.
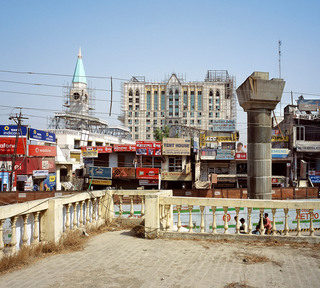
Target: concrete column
{"points": [[258, 96], [259, 153]]}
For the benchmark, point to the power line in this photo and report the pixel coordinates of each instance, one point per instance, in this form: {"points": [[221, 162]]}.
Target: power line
{"points": [[60, 75], [55, 86]]}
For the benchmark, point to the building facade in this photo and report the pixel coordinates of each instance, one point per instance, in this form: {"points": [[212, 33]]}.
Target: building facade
{"points": [[177, 103]]}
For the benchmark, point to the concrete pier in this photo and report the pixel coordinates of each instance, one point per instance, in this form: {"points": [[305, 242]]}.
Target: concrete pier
{"points": [[258, 96]]}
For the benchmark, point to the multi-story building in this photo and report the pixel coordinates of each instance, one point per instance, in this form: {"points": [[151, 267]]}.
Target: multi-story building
{"points": [[177, 103]]}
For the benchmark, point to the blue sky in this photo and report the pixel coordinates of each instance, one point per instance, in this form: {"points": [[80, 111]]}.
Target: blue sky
{"points": [[153, 39]]}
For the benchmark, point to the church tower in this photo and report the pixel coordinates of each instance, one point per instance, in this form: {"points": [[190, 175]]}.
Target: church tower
{"points": [[78, 95]]}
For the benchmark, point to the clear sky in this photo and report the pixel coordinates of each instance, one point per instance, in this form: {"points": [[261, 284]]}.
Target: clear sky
{"points": [[152, 39]]}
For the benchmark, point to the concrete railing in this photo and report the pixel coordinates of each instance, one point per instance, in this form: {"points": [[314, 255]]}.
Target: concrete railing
{"points": [[216, 216], [47, 219]]}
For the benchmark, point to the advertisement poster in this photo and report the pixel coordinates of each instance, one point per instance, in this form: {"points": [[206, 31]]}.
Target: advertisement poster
{"points": [[11, 131], [50, 182], [147, 173], [41, 150], [89, 152], [123, 172], [7, 145], [39, 135], [149, 148], [100, 172]]}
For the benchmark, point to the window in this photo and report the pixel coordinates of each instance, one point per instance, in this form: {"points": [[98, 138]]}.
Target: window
{"points": [[210, 114], [192, 100], [148, 136], [137, 100], [130, 92], [130, 107], [192, 121], [217, 115], [129, 121], [148, 121], [89, 143], [130, 114], [76, 144], [155, 100], [218, 93], [199, 114], [147, 114], [137, 107], [184, 114], [175, 164], [148, 129], [211, 93], [148, 100], [136, 114], [137, 92], [136, 136], [163, 100], [191, 114], [99, 143], [155, 114], [300, 133], [155, 122], [136, 129], [136, 121], [199, 122]]}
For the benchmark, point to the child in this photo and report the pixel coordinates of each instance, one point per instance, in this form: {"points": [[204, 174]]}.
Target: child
{"points": [[243, 227]]}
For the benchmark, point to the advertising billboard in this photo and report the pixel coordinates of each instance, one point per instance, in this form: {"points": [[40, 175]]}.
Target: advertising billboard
{"points": [[123, 172], [176, 146], [41, 164], [147, 173], [224, 125], [176, 176], [11, 131], [279, 153], [7, 145], [149, 148], [124, 147], [89, 152], [39, 135], [41, 150], [100, 172]]}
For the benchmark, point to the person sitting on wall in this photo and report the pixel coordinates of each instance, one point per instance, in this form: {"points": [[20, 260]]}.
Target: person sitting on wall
{"points": [[243, 227]]}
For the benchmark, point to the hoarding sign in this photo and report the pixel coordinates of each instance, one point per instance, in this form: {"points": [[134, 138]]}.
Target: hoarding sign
{"points": [[40, 173], [89, 152], [124, 172], [104, 149], [176, 146], [101, 182], [147, 173], [279, 138], [241, 156], [50, 181], [7, 145], [176, 176], [145, 182], [124, 147], [40, 150], [100, 172], [224, 125], [149, 148], [41, 164], [11, 131], [224, 154], [39, 135], [280, 153], [311, 146], [314, 178]]}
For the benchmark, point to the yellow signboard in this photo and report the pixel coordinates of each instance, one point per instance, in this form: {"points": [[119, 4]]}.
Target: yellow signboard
{"points": [[279, 138], [101, 182], [176, 146], [176, 176]]}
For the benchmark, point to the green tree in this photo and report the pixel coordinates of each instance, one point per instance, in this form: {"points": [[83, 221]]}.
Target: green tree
{"points": [[159, 134]]}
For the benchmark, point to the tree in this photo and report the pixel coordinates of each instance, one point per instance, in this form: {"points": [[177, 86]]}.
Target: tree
{"points": [[159, 134]]}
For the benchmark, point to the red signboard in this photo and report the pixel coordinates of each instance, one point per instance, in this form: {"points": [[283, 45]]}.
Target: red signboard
{"points": [[124, 147], [41, 164], [100, 149], [241, 156], [104, 149], [150, 148], [147, 173], [20, 165], [41, 150], [7, 145]]}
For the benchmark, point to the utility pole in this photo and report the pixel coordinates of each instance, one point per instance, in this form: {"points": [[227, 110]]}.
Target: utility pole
{"points": [[18, 120]]}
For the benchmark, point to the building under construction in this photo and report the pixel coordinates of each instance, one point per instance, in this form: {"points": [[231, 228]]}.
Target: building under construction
{"points": [[186, 107]]}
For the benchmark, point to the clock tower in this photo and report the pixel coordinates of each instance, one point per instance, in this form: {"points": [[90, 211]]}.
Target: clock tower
{"points": [[78, 95]]}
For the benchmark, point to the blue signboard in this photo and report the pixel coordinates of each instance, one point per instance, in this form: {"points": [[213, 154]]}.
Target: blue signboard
{"points": [[100, 172], [224, 125], [39, 135], [224, 154], [11, 130], [280, 153], [50, 182], [315, 178]]}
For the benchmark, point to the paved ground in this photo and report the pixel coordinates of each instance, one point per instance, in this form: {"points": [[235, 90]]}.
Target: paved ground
{"points": [[116, 259]]}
